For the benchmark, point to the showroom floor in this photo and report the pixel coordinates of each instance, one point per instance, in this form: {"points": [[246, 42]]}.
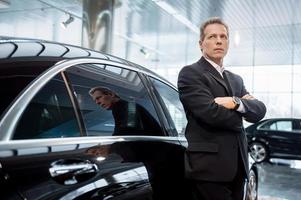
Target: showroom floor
{"points": [[280, 180]]}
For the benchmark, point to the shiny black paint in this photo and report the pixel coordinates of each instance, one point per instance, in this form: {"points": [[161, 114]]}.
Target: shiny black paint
{"points": [[148, 169], [110, 167], [279, 143]]}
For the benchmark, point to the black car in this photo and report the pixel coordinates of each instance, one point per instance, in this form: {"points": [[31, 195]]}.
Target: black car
{"points": [[57, 143], [275, 138]]}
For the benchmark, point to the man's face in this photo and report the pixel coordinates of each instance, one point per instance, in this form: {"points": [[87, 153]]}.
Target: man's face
{"points": [[104, 100], [215, 43]]}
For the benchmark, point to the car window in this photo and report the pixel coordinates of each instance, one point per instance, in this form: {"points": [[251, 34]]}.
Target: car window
{"points": [[273, 126], [124, 106], [284, 126], [49, 114], [17, 77], [278, 125], [170, 98]]}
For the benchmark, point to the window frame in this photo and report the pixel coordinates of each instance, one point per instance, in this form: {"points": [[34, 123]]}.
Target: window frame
{"points": [[145, 84], [269, 123], [170, 126], [12, 115], [158, 108]]}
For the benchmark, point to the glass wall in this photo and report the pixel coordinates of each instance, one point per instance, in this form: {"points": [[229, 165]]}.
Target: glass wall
{"points": [[265, 55], [276, 85], [264, 48], [42, 20]]}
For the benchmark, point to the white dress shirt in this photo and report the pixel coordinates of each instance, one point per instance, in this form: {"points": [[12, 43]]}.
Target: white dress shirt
{"points": [[220, 70]]}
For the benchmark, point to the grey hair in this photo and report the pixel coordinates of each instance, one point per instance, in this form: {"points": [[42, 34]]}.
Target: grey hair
{"points": [[104, 90], [213, 20]]}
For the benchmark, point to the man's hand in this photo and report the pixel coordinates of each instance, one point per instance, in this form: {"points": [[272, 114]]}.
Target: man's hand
{"points": [[227, 102]]}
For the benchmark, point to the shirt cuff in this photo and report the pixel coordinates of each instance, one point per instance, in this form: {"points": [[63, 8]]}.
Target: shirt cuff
{"points": [[241, 107]]}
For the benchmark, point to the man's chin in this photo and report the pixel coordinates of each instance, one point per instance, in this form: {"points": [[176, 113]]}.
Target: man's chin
{"points": [[219, 55], [108, 107]]}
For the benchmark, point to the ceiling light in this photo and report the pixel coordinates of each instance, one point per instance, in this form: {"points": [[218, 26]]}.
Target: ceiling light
{"points": [[186, 22], [135, 40], [236, 38], [173, 12], [167, 7], [145, 52], [67, 22]]}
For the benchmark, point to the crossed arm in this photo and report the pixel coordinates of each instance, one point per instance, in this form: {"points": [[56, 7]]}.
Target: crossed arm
{"points": [[200, 103], [255, 110], [228, 102]]}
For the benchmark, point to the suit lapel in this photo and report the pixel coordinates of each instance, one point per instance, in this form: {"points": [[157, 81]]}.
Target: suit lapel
{"points": [[214, 73]]}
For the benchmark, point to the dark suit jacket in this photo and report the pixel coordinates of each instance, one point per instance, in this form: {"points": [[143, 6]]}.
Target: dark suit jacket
{"points": [[215, 134]]}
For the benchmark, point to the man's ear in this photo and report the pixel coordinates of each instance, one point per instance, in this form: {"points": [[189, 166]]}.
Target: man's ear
{"points": [[200, 45]]}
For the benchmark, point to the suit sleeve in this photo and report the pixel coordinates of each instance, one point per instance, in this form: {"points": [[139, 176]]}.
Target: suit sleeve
{"points": [[255, 109], [198, 101]]}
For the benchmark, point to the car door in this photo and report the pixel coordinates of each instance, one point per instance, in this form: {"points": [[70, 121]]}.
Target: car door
{"points": [[168, 98], [37, 146], [142, 140], [56, 143], [279, 135]]}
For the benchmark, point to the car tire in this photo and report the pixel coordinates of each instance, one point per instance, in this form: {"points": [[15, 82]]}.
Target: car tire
{"points": [[252, 193], [259, 152]]}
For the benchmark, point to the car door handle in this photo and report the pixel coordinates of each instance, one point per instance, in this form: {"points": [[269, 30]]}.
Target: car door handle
{"points": [[72, 171]]}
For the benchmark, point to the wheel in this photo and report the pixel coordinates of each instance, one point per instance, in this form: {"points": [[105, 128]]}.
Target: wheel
{"points": [[252, 186], [258, 152]]}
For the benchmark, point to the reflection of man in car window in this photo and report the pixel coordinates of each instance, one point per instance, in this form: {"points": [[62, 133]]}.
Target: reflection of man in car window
{"points": [[130, 118]]}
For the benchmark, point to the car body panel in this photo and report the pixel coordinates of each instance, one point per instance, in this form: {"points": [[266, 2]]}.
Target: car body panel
{"points": [[283, 143], [121, 160]]}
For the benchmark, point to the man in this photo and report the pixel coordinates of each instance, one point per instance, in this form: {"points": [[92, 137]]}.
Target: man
{"points": [[130, 118], [215, 101]]}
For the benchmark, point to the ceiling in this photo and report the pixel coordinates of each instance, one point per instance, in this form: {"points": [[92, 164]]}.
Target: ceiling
{"points": [[269, 30]]}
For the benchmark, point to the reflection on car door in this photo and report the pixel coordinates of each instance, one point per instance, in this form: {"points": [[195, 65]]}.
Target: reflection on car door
{"points": [[132, 112], [47, 158], [160, 157], [27, 158]]}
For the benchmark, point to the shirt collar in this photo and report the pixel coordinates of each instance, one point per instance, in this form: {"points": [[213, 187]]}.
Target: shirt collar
{"points": [[219, 69]]}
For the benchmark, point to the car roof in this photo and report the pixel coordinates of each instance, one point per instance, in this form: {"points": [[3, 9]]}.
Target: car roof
{"points": [[271, 120], [28, 49], [281, 118]]}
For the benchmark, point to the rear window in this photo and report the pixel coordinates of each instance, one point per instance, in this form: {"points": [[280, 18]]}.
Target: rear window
{"points": [[281, 125]]}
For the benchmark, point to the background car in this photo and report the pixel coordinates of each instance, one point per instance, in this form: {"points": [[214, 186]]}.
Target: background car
{"points": [[57, 143], [275, 138]]}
